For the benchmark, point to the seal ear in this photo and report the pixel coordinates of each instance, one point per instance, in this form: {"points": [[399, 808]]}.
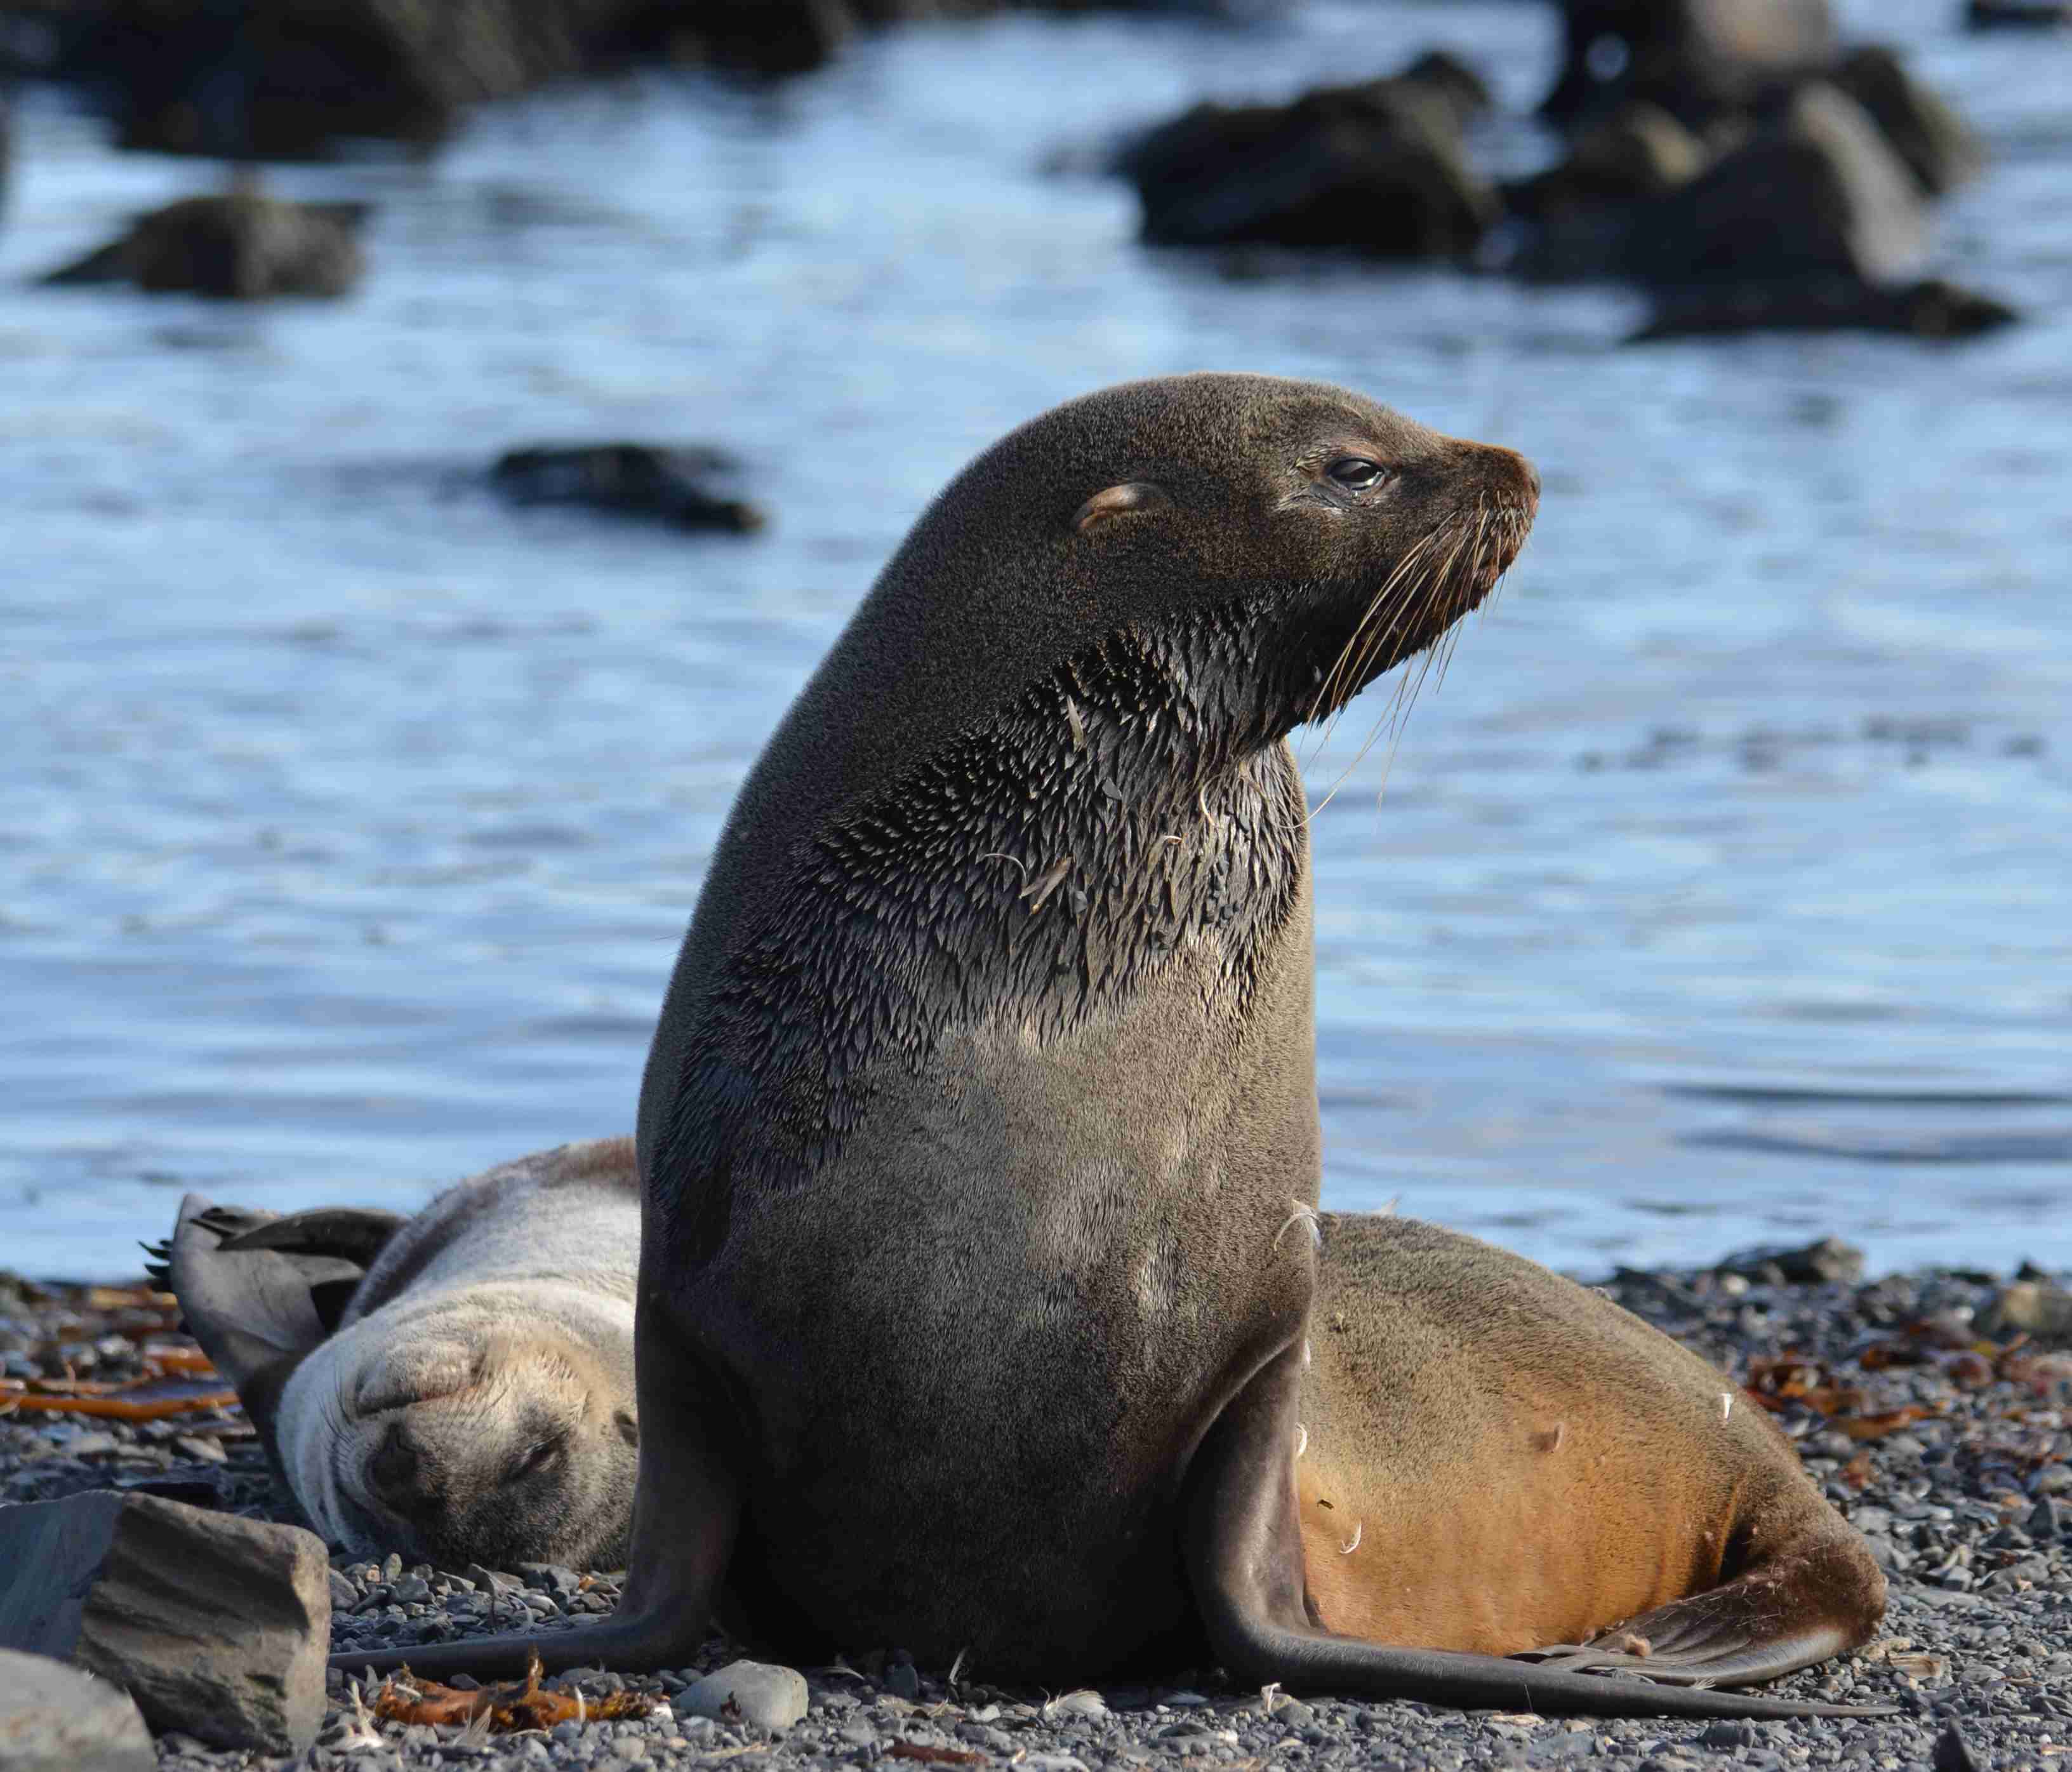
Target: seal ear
{"points": [[1130, 498]]}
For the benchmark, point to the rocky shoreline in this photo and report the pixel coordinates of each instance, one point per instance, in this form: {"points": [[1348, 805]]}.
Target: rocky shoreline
{"points": [[1935, 1408]]}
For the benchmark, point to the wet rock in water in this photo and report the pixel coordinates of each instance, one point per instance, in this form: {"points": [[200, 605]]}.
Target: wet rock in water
{"points": [[1828, 1262], [55, 1718], [748, 1692], [1930, 309], [241, 246], [771, 38], [1937, 144], [2034, 1308], [2018, 15], [1381, 167], [216, 1626], [1697, 59], [288, 79], [689, 486], [1636, 152], [1818, 192]]}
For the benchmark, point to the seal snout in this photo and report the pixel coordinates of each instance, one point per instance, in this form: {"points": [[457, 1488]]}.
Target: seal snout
{"points": [[395, 1471]]}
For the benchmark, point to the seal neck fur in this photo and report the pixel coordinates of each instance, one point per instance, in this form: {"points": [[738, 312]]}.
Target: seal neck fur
{"points": [[1037, 866]]}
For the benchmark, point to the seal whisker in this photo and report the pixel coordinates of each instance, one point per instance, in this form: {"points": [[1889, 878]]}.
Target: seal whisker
{"points": [[1303, 1214]]}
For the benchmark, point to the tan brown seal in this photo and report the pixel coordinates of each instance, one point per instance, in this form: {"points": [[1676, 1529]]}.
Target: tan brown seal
{"points": [[985, 1089], [457, 1386], [1494, 1458]]}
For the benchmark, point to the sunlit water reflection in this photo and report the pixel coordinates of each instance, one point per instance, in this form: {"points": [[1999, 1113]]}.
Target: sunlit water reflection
{"points": [[350, 820]]}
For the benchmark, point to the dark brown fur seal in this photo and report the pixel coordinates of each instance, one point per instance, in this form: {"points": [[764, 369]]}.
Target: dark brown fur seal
{"points": [[985, 1089], [457, 1386]]}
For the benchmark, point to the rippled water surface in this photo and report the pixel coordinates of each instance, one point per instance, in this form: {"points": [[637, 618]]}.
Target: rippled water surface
{"points": [[348, 822]]}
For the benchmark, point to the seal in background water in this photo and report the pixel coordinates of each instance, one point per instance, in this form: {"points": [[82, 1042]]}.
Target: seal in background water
{"points": [[458, 1386], [984, 1091]]}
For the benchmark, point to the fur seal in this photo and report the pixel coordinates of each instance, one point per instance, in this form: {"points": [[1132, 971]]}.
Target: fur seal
{"points": [[458, 1386], [1460, 1398], [983, 1100]]}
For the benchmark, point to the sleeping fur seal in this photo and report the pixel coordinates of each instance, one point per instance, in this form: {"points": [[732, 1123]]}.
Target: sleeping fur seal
{"points": [[458, 1386], [984, 1092]]}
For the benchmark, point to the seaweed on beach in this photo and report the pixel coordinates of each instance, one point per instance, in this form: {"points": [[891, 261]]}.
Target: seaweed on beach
{"points": [[502, 1710]]}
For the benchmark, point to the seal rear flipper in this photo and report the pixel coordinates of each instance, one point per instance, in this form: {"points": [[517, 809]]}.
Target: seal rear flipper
{"points": [[1802, 1604], [1242, 1543], [252, 1308]]}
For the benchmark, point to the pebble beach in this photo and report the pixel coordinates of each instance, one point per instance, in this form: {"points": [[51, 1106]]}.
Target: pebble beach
{"points": [[1937, 1423]]}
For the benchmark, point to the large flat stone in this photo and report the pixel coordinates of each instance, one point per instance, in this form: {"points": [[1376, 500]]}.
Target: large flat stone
{"points": [[54, 1718], [216, 1626]]}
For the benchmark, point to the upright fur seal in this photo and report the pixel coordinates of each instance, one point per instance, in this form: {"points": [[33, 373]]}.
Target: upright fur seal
{"points": [[984, 1097], [458, 1386]]}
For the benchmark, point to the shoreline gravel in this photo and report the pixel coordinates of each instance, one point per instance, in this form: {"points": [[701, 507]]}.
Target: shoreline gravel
{"points": [[1930, 1420]]}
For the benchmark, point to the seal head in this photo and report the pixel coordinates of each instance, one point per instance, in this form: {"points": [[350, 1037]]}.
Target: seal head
{"points": [[457, 1386]]}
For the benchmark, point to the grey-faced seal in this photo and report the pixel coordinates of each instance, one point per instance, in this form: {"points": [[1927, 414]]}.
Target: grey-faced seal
{"points": [[984, 1095], [458, 1386]]}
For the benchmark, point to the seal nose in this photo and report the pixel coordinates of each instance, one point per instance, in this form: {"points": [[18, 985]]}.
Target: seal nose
{"points": [[394, 1471]]}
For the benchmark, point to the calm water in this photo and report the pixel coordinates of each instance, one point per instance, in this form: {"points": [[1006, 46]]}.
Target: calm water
{"points": [[349, 821]]}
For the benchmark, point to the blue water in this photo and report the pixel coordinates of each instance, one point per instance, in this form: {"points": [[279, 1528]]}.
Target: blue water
{"points": [[349, 820]]}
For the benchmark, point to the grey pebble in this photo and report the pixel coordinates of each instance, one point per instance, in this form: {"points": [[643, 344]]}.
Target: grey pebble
{"points": [[770, 1697]]}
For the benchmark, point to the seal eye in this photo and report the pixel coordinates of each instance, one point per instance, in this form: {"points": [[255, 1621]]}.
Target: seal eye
{"points": [[540, 1457], [1356, 473]]}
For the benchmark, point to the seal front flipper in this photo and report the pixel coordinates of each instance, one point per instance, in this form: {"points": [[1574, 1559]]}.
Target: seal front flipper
{"points": [[1242, 1543], [1808, 1599], [356, 1234], [252, 1304]]}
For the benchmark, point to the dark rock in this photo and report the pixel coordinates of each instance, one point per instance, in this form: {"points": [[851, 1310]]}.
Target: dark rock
{"points": [[1637, 151], [767, 39], [2019, 15], [748, 1692], [241, 246], [288, 79], [1816, 193], [675, 484], [1380, 167], [1939, 150], [1699, 59], [1953, 1752], [216, 1626], [1828, 1262], [54, 1718]]}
